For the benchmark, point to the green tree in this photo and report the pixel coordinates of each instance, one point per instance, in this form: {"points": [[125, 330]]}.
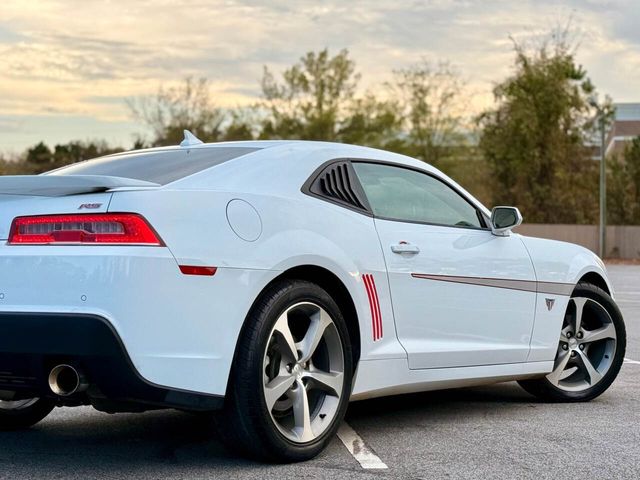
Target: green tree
{"points": [[317, 99], [40, 158], [619, 193], [623, 186], [632, 159], [372, 122], [312, 99], [39, 154], [534, 141]]}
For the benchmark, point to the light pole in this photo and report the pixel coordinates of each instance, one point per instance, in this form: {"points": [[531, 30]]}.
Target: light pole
{"points": [[602, 114]]}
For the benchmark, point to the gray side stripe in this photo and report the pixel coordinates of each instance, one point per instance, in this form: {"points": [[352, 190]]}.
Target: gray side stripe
{"points": [[550, 288], [555, 288]]}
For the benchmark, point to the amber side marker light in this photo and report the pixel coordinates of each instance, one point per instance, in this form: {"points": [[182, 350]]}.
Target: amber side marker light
{"points": [[194, 270]]}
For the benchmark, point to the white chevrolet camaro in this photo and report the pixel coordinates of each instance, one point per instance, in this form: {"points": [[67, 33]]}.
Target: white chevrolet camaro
{"points": [[274, 282]]}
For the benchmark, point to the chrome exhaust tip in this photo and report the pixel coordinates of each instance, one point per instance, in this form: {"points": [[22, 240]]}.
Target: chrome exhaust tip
{"points": [[65, 380]]}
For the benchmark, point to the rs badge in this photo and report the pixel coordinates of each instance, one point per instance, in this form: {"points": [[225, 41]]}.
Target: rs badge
{"points": [[89, 206]]}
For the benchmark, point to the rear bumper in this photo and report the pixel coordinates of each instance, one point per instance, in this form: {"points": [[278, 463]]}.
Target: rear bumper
{"points": [[179, 331], [31, 344]]}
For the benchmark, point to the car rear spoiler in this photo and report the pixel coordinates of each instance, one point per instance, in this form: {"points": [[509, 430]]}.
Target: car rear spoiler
{"points": [[61, 185]]}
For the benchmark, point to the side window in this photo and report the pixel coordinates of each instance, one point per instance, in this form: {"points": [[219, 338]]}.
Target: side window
{"points": [[402, 194]]}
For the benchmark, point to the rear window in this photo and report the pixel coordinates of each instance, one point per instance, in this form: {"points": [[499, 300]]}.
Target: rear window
{"points": [[160, 167]]}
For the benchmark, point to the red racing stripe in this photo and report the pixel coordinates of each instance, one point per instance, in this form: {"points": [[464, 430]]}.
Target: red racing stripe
{"points": [[374, 310], [370, 297], [377, 302], [376, 317]]}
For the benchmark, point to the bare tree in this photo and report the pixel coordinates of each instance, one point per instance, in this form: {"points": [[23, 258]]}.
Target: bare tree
{"points": [[430, 102], [174, 109]]}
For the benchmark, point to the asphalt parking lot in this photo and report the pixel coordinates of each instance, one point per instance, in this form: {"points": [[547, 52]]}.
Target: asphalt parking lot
{"points": [[489, 432]]}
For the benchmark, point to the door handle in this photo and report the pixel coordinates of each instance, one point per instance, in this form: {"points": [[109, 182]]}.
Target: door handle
{"points": [[405, 247]]}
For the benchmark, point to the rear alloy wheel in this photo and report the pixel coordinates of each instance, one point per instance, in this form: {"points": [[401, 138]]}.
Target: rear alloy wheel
{"points": [[303, 380], [291, 378], [24, 413], [590, 350]]}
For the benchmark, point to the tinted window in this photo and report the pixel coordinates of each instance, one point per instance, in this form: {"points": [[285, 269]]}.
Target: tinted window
{"points": [[158, 167], [402, 194]]}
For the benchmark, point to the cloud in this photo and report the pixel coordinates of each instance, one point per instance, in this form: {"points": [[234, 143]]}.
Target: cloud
{"points": [[82, 58], [9, 36]]}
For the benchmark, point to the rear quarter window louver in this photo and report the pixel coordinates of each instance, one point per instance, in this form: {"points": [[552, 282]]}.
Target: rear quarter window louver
{"points": [[337, 183]]}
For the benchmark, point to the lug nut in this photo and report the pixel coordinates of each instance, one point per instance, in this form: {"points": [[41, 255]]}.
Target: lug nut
{"points": [[289, 368], [581, 346], [565, 346], [580, 335], [569, 335], [573, 353]]}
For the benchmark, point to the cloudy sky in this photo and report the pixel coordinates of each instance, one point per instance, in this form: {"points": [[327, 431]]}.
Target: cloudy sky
{"points": [[67, 66]]}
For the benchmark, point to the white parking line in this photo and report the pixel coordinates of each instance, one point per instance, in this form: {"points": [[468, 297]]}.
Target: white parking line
{"points": [[628, 360], [360, 450]]}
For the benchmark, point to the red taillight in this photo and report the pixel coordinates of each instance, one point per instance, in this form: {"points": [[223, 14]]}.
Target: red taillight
{"points": [[99, 228]]}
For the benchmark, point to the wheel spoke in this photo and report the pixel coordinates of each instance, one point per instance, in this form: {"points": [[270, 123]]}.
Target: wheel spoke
{"points": [[301, 414], [579, 303], [608, 331], [276, 388], [594, 375], [330, 382], [563, 334], [285, 338], [313, 336], [561, 363]]}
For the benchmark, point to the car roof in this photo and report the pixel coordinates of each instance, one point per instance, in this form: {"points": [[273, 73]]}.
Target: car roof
{"points": [[280, 165], [256, 144], [310, 146]]}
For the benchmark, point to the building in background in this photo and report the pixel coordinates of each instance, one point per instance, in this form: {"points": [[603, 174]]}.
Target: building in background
{"points": [[625, 127]]}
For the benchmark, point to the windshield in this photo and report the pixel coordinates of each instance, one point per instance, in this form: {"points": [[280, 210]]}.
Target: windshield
{"points": [[162, 167]]}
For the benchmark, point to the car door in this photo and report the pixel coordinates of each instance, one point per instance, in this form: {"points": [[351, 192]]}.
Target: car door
{"points": [[461, 295]]}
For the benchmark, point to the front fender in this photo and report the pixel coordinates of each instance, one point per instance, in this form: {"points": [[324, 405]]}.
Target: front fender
{"points": [[557, 262], [563, 262]]}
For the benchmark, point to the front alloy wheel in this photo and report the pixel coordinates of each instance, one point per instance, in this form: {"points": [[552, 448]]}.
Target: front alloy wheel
{"points": [[590, 350], [587, 346]]}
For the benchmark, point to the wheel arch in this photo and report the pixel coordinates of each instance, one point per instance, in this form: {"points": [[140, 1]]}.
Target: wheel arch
{"points": [[332, 284], [596, 279], [335, 287]]}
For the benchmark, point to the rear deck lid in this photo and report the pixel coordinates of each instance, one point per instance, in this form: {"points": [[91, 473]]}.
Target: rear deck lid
{"points": [[61, 185]]}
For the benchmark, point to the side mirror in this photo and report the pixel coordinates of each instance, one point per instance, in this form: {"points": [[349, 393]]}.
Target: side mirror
{"points": [[504, 219]]}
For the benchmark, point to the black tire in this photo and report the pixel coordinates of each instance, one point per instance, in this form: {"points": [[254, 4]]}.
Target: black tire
{"points": [[545, 390], [246, 424], [26, 417]]}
